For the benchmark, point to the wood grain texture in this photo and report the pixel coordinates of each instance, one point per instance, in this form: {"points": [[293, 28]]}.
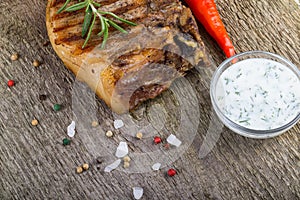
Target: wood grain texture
{"points": [[35, 165]]}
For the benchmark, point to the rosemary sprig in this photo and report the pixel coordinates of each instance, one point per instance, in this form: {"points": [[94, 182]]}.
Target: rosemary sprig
{"points": [[91, 14]]}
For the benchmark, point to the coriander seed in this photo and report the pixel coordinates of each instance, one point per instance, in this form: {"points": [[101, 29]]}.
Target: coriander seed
{"points": [[95, 124], [126, 164], [109, 134], [127, 159], [79, 170], [36, 63], [85, 166], [34, 122], [14, 57], [139, 135]]}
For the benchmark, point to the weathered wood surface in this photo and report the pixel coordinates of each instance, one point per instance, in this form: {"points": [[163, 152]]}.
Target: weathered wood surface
{"points": [[35, 165]]}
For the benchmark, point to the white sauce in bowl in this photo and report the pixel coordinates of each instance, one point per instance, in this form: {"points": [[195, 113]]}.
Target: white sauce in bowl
{"points": [[259, 94]]}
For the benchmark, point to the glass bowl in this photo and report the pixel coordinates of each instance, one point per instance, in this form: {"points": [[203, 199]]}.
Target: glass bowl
{"points": [[257, 94]]}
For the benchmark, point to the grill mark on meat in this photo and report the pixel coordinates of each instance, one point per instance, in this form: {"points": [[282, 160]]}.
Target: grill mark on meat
{"points": [[59, 3], [68, 22], [122, 6], [72, 23]]}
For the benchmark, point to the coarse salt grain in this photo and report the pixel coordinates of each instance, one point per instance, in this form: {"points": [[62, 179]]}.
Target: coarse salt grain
{"points": [[122, 150], [156, 166], [112, 166], [138, 192], [173, 140], [118, 124], [71, 129]]}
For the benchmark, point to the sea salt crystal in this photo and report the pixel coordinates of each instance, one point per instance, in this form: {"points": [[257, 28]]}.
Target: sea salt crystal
{"points": [[173, 140], [122, 150], [138, 192], [71, 129], [156, 166], [118, 124], [112, 166]]}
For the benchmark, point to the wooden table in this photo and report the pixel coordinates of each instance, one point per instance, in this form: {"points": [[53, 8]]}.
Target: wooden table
{"points": [[35, 165]]}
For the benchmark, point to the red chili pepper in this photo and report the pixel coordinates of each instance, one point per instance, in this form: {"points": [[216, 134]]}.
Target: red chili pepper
{"points": [[206, 12]]}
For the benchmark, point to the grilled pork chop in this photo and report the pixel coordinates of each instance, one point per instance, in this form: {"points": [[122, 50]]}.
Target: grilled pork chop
{"points": [[136, 66]]}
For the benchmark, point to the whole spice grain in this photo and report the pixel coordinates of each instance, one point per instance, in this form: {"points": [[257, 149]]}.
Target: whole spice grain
{"points": [[139, 135], [171, 172], [36, 63], [95, 124], [57, 107], [34, 122], [109, 134], [85, 166], [167, 146], [43, 97], [10, 83], [79, 170], [157, 140], [14, 57], [126, 164], [66, 141], [127, 159]]}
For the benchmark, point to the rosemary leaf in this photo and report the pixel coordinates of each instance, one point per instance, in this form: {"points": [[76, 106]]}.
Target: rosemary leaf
{"points": [[102, 26], [88, 7], [97, 4], [63, 7], [87, 21], [77, 6], [126, 21], [105, 37], [117, 17], [116, 26], [90, 31]]}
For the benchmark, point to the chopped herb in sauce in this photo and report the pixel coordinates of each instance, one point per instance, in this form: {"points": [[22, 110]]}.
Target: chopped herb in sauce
{"points": [[259, 93]]}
